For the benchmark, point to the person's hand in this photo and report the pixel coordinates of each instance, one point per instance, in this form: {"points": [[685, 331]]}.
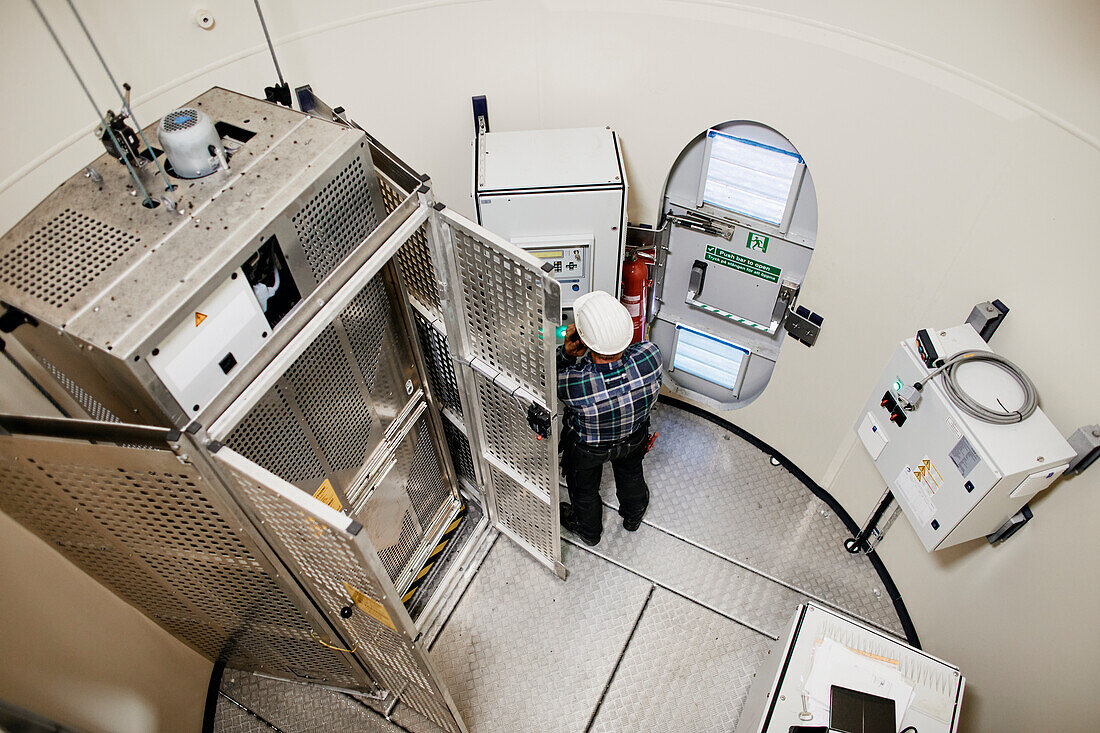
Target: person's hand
{"points": [[573, 345]]}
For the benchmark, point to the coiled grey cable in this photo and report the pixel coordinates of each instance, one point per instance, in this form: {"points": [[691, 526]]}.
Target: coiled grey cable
{"points": [[970, 405]]}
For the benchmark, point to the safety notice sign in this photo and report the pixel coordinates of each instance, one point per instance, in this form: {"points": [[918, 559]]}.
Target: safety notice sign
{"points": [[743, 264]]}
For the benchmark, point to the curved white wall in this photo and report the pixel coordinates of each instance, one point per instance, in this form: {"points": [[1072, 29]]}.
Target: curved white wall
{"points": [[957, 146]]}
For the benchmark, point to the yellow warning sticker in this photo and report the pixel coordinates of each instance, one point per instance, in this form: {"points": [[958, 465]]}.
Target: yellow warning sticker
{"points": [[369, 606], [927, 473], [199, 318], [327, 494]]}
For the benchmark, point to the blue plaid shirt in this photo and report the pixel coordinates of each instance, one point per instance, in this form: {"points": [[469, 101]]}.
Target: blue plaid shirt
{"points": [[605, 403]]}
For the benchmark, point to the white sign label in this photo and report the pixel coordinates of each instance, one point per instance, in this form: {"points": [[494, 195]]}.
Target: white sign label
{"points": [[915, 494]]}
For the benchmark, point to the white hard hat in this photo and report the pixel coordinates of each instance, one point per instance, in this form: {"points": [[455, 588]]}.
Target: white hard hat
{"points": [[603, 323]]}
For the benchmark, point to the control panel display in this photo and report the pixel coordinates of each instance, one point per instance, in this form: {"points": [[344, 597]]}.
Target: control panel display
{"points": [[571, 267]]}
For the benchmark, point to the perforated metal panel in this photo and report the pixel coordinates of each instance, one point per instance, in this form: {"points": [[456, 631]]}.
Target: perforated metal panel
{"points": [[336, 219], [525, 515], [504, 302], [159, 534], [461, 456], [332, 406], [439, 365], [271, 437], [406, 505], [415, 261], [63, 257], [329, 554], [510, 440], [392, 194], [501, 304], [91, 405]]}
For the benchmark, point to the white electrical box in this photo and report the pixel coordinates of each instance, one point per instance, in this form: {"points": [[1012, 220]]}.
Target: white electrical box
{"points": [[957, 477], [561, 195]]}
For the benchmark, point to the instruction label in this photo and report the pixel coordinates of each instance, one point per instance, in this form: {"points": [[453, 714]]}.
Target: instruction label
{"points": [[327, 494], [913, 491], [964, 457], [743, 264], [369, 606]]}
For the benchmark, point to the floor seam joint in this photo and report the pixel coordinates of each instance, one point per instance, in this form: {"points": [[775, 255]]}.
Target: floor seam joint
{"points": [[619, 661], [754, 571], [670, 589]]}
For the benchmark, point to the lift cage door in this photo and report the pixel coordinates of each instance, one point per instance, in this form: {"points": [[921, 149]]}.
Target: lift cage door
{"points": [[341, 413], [482, 308], [506, 311], [331, 555], [162, 533]]}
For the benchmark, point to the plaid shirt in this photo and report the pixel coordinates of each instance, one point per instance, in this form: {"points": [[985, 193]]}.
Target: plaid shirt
{"points": [[605, 403]]}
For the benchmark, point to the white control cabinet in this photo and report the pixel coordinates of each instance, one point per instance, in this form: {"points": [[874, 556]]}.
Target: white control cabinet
{"points": [[561, 195], [956, 477]]}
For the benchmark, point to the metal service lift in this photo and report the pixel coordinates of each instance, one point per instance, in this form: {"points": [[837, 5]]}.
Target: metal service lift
{"points": [[282, 384]]}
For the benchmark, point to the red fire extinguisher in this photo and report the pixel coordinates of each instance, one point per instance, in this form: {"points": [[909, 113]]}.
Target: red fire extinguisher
{"points": [[635, 279]]}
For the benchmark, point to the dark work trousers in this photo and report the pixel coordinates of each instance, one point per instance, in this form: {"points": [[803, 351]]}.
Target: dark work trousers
{"points": [[583, 466]]}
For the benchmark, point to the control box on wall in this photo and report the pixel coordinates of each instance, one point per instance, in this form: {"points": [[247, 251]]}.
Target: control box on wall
{"points": [[956, 476], [560, 195]]}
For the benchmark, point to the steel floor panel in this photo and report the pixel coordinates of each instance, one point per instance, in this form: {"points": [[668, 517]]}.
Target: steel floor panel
{"points": [[686, 669], [711, 487], [230, 718], [707, 579], [525, 651], [292, 707]]}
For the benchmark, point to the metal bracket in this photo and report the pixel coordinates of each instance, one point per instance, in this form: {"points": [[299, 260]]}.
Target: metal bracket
{"points": [[986, 318], [481, 114], [803, 325], [861, 542], [1012, 526], [704, 224], [13, 318], [1086, 441]]}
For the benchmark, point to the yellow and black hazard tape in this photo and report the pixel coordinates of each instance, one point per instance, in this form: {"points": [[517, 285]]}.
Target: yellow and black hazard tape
{"points": [[437, 552]]}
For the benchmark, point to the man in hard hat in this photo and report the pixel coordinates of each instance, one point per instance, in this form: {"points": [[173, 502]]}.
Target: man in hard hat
{"points": [[608, 387]]}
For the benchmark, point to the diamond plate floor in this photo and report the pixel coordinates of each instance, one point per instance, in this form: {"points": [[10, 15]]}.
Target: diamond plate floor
{"points": [[525, 651], [685, 669], [722, 493], [710, 581], [290, 707], [656, 630]]}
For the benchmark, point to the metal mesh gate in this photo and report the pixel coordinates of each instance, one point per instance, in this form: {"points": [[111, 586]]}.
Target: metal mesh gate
{"points": [[331, 554], [506, 313], [165, 538], [486, 305]]}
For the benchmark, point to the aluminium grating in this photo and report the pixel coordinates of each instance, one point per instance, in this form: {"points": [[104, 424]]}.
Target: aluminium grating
{"points": [[336, 219], [151, 529], [510, 440], [439, 364], [324, 414], [95, 409], [63, 257], [525, 515], [461, 456], [503, 301], [327, 559], [414, 259]]}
